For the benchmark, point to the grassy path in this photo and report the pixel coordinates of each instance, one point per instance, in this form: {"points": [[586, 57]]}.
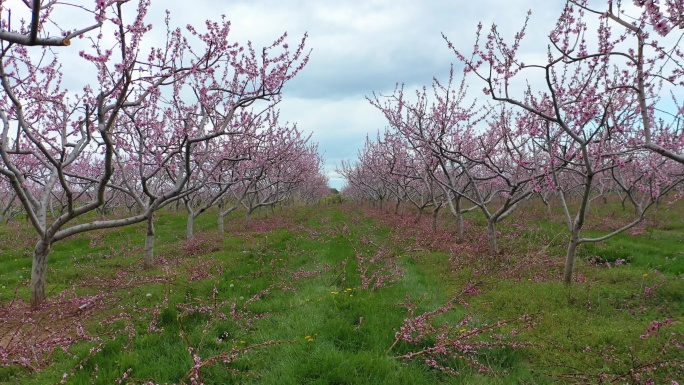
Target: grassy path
{"points": [[317, 295]]}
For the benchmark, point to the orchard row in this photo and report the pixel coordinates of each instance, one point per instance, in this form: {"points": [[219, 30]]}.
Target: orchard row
{"points": [[601, 115], [193, 120]]}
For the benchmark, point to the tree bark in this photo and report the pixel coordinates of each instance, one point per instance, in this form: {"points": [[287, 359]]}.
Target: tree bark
{"points": [[190, 226], [420, 214], [221, 226], [570, 256], [460, 227], [547, 203], [491, 237], [435, 214], [459, 219], [149, 243], [39, 273]]}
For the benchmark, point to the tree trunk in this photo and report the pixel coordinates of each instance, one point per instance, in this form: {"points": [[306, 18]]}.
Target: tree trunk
{"points": [[221, 227], [459, 220], [189, 227], [435, 214], [7, 209], [547, 204], [460, 227], [396, 207], [149, 243], [39, 273], [575, 229], [570, 257], [491, 237], [420, 215]]}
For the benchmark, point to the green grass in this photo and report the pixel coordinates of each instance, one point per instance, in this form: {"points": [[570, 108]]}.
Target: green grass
{"points": [[312, 322]]}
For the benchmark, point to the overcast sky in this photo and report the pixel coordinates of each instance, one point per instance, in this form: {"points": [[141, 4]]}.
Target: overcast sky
{"points": [[360, 47]]}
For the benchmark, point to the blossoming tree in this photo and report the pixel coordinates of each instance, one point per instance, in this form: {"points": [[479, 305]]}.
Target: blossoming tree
{"points": [[150, 110], [598, 101]]}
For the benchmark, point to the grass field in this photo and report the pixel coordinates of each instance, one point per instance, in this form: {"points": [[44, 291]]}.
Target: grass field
{"points": [[340, 294]]}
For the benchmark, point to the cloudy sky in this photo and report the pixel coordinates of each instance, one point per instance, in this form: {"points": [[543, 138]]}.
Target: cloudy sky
{"points": [[359, 47]]}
